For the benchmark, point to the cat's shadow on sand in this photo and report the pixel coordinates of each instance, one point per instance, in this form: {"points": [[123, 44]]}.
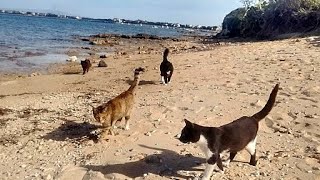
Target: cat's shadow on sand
{"points": [[142, 82], [73, 131], [167, 164]]}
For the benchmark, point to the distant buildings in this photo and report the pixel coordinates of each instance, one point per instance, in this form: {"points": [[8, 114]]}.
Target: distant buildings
{"points": [[114, 20]]}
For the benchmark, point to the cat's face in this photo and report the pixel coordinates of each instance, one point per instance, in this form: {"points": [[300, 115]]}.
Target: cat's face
{"points": [[96, 114], [189, 133]]}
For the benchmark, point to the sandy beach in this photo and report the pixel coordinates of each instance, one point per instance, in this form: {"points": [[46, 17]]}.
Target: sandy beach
{"points": [[46, 118]]}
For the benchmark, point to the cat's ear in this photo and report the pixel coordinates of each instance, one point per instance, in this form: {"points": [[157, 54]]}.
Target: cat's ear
{"points": [[188, 123]]}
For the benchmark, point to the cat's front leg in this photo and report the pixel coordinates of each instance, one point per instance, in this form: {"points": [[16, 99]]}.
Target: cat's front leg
{"points": [[162, 80], [213, 161], [208, 172]]}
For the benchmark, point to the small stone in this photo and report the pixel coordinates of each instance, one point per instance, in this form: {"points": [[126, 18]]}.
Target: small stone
{"points": [[49, 177], [72, 59], [148, 134], [316, 168], [110, 176], [103, 56], [258, 103], [34, 74], [102, 63]]}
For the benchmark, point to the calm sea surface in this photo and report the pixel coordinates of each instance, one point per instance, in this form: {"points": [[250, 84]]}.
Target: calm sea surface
{"points": [[27, 42]]}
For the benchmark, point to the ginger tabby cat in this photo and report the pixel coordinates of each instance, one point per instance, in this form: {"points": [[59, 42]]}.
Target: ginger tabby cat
{"points": [[117, 108]]}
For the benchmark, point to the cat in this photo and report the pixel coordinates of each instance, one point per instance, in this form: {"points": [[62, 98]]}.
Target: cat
{"points": [[86, 65], [166, 68], [231, 137], [121, 106]]}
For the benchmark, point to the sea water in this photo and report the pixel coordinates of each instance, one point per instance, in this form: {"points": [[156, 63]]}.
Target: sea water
{"points": [[31, 41]]}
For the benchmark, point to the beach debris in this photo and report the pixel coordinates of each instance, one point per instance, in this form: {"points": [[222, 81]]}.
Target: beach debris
{"points": [[103, 56], [102, 63], [72, 59], [258, 103], [98, 42], [34, 74]]}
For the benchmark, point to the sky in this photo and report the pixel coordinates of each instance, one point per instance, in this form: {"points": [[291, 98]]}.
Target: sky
{"points": [[196, 12]]}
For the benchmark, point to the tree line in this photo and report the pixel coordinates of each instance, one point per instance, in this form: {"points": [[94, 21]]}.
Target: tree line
{"points": [[268, 19]]}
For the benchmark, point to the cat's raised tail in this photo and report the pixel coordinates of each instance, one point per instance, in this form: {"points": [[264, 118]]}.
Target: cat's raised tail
{"points": [[267, 108]]}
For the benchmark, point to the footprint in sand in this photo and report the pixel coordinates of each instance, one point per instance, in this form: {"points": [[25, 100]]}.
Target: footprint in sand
{"points": [[279, 122], [311, 92]]}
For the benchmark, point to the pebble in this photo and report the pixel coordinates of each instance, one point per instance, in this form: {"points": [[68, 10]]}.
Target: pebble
{"points": [[72, 59], [103, 56], [258, 103], [102, 63], [49, 177], [34, 74]]}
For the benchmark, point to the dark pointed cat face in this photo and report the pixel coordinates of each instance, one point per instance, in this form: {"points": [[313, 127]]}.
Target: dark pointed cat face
{"points": [[189, 133], [97, 113]]}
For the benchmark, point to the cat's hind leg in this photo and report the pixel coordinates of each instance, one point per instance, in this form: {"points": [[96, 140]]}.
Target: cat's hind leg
{"points": [[251, 148], [127, 122], [165, 79], [169, 76]]}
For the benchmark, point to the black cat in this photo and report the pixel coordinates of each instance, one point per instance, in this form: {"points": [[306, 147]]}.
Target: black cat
{"points": [[232, 137], [86, 65], [166, 68]]}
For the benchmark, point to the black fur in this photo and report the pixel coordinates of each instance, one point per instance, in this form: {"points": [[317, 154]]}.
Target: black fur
{"points": [[166, 67], [86, 65], [234, 136]]}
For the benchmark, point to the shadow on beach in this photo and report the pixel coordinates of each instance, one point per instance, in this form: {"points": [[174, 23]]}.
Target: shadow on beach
{"points": [[168, 163], [142, 82], [73, 131]]}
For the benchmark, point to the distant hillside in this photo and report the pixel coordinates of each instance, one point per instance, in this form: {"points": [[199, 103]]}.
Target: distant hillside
{"points": [[273, 19]]}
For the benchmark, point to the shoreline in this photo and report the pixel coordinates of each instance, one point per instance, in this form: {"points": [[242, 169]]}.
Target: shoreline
{"points": [[110, 45]]}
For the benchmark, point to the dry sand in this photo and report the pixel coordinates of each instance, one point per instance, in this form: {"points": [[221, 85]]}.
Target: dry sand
{"points": [[45, 119]]}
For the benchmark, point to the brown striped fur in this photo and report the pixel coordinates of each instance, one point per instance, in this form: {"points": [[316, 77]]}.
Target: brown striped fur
{"points": [[117, 108]]}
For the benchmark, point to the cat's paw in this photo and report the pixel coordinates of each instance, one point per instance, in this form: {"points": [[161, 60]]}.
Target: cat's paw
{"points": [[126, 128], [103, 140], [205, 178], [226, 163]]}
